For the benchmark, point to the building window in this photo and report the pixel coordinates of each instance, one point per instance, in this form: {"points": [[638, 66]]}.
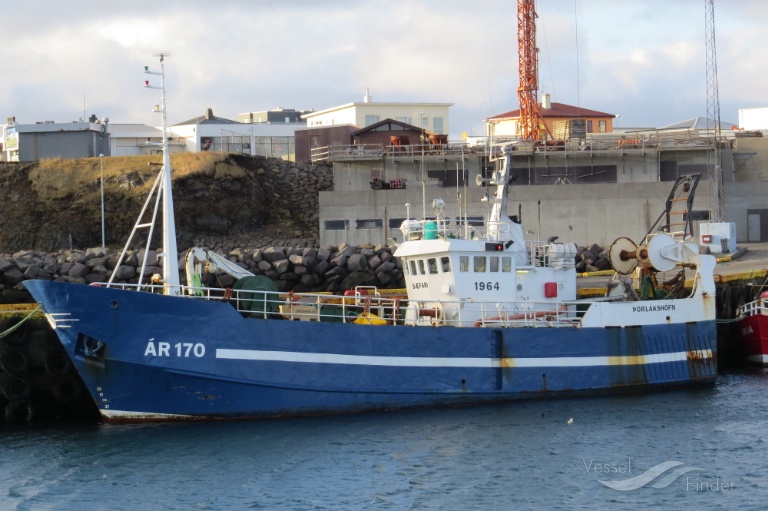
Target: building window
{"points": [[406, 120], [371, 119], [425, 122], [395, 223], [601, 126], [437, 125], [369, 223], [589, 126], [336, 225]]}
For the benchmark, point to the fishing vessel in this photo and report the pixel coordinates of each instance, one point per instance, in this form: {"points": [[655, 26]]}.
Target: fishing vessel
{"points": [[488, 316], [752, 325]]}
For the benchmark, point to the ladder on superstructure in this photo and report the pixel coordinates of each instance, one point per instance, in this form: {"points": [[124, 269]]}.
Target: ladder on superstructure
{"points": [[677, 213]]}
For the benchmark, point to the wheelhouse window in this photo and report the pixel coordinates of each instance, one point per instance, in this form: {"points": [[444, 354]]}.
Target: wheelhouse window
{"points": [[463, 263], [506, 264], [421, 267], [494, 266], [432, 266], [479, 265], [412, 264], [445, 264]]}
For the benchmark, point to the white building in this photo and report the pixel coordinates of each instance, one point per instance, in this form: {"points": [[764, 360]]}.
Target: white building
{"points": [[138, 139], [211, 133], [429, 116], [753, 119]]}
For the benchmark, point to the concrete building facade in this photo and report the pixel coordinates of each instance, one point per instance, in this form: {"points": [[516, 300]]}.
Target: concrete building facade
{"points": [[591, 194]]}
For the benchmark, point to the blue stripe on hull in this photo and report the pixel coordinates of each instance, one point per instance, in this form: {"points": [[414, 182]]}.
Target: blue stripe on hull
{"points": [[272, 367]]}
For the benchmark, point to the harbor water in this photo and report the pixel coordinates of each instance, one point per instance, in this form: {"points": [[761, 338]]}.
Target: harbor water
{"points": [[695, 449]]}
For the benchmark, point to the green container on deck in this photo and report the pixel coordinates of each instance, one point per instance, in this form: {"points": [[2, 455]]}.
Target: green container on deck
{"points": [[430, 231]]}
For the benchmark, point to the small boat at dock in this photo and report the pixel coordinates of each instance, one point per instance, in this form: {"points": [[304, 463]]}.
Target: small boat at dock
{"points": [[752, 325]]}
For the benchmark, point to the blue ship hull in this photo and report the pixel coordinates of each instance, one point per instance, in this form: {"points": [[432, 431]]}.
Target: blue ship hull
{"points": [[144, 356]]}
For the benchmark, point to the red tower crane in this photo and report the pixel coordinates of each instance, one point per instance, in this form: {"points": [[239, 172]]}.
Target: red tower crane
{"points": [[528, 67]]}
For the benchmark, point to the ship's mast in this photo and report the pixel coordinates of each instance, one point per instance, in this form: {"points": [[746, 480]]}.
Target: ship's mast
{"points": [[170, 251]]}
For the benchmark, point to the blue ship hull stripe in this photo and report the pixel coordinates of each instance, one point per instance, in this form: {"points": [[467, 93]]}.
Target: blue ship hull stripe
{"points": [[368, 360]]}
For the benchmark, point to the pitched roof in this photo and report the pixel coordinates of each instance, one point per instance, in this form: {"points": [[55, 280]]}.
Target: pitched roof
{"points": [[557, 110], [404, 125], [207, 118], [697, 123]]}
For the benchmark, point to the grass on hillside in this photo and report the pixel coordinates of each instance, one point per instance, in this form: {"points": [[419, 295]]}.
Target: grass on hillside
{"points": [[58, 178]]}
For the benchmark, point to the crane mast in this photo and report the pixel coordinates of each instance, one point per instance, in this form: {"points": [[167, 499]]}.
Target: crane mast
{"points": [[528, 67], [713, 113]]}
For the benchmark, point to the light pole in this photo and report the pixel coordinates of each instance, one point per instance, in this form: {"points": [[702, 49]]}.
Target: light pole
{"points": [[101, 164], [423, 177]]}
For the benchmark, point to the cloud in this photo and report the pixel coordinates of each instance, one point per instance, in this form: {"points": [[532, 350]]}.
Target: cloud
{"points": [[643, 60]]}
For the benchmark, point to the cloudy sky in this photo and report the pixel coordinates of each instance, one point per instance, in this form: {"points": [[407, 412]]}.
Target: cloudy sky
{"points": [[643, 60]]}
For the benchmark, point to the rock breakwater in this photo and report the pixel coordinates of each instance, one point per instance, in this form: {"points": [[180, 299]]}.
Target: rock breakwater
{"points": [[298, 268], [301, 269]]}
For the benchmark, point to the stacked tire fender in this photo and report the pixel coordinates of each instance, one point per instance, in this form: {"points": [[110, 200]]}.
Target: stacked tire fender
{"points": [[37, 379]]}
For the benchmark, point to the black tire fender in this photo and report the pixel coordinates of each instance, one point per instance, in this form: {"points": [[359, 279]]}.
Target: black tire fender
{"points": [[16, 387], [57, 363], [18, 336], [14, 361], [19, 410]]}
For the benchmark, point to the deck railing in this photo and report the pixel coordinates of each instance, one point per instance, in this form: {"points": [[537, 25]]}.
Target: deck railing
{"points": [[380, 151], [367, 307], [756, 307]]}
